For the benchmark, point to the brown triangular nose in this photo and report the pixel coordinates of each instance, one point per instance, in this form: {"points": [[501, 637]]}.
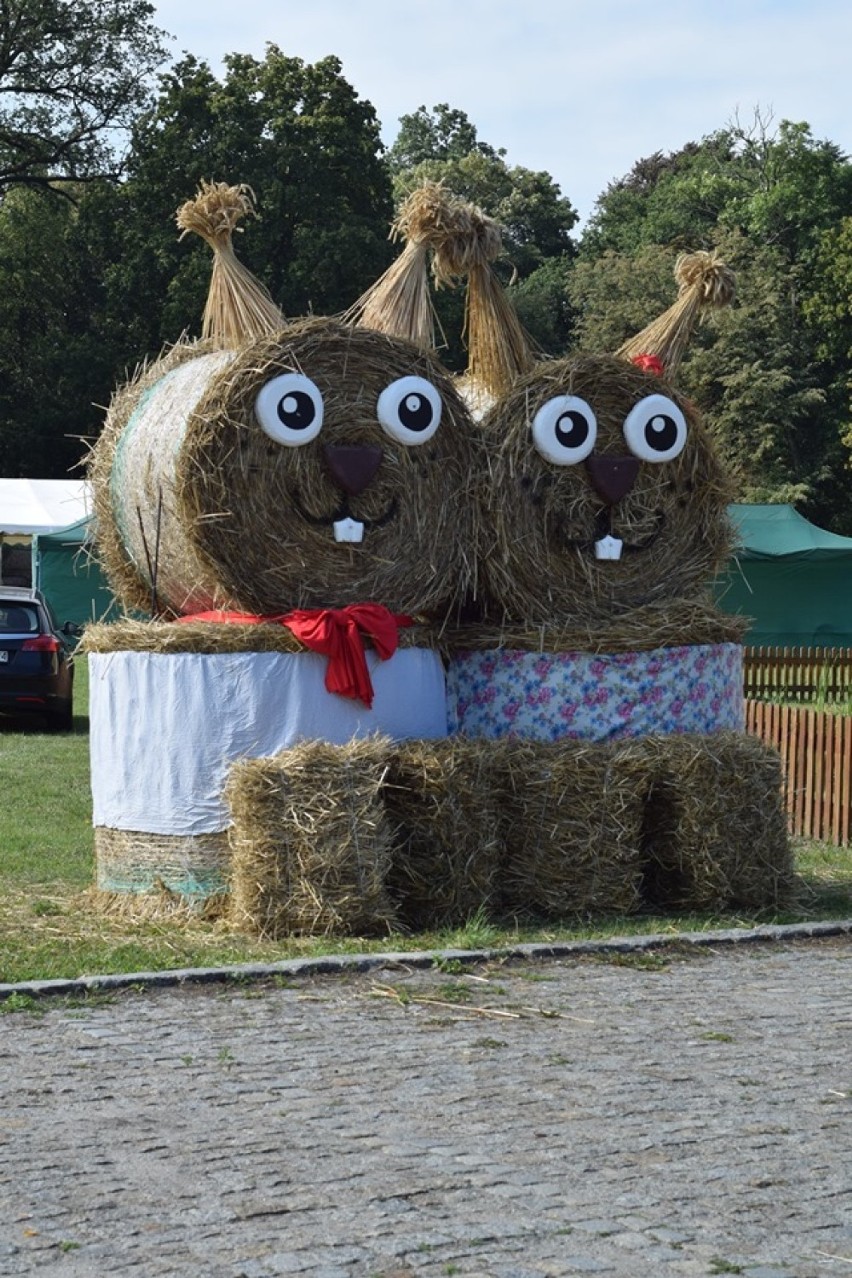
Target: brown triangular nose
{"points": [[612, 477], [352, 465]]}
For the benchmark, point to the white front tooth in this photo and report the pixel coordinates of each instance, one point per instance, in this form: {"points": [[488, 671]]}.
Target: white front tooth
{"points": [[608, 548], [348, 530]]}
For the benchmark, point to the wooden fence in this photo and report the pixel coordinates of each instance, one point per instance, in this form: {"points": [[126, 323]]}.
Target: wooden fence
{"points": [[799, 674], [816, 751]]}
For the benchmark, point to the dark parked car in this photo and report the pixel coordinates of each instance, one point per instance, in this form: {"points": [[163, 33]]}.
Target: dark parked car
{"points": [[36, 661]]}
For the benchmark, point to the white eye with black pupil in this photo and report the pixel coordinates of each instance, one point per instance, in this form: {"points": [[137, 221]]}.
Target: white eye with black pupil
{"points": [[655, 429], [409, 410], [565, 430], [290, 409]]}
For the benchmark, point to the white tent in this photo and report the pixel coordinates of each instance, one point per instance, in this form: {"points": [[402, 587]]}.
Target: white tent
{"points": [[29, 506]]}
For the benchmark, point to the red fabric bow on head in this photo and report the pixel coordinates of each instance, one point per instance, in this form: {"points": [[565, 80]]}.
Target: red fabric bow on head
{"points": [[338, 633], [649, 364]]}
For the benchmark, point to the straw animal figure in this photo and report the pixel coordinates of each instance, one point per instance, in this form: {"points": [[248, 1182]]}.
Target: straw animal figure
{"points": [[293, 501], [602, 670]]}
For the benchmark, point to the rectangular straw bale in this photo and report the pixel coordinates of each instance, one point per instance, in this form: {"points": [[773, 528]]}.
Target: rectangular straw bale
{"points": [[311, 842], [715, 832], [449, 844], [573, 819]]}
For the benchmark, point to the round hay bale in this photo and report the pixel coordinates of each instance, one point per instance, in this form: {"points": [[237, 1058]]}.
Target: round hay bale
{"points": [[192, 490], [191, 867], [547, 521]]}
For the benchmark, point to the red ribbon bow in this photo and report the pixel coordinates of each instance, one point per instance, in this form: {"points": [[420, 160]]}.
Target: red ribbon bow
{"points": [[338, 634], [649, 364]]}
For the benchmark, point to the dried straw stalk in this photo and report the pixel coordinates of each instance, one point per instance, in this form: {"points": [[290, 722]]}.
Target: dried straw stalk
{"points": [[140, 862], [238, 307], [167, 637], [704, 282], [673, 622]]}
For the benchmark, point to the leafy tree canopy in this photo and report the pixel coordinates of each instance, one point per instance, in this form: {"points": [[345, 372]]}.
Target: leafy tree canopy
{"points": [[444, 133], [307, 145], [72, 72]]}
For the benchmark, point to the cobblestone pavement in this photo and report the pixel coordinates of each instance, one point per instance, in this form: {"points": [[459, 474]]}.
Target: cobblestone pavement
{"points": [[674, 1114]]}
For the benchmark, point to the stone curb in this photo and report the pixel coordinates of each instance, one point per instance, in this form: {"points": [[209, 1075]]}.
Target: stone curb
{"points": [[341, 964]]}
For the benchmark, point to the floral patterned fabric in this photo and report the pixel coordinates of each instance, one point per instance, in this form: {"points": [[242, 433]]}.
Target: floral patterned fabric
{"points": [[545, 696]]}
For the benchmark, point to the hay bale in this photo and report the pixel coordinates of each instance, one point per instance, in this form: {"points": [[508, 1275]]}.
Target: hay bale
{"points": [[247, 523], [167, 637], [448, 845], [190, 867], [539, 558], [715, 831], [311, 841], [672, 624], [572, 816], [135, 528]]}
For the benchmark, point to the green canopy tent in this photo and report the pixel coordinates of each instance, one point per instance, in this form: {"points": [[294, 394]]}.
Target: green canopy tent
{"points": [[65, 571], [792, 578]]}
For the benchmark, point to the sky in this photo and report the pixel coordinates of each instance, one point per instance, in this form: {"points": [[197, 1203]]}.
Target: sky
{"points": [[579, 88]]}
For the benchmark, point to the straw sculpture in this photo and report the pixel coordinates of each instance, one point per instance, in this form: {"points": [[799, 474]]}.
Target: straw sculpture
{"points": [[246, 523], [461, 243], [238, 307], [604, 518], [704, 283], [545, 520], [259, 492], [311, 841]]}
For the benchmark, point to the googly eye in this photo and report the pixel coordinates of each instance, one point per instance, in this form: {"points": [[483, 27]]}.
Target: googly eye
{"points": [[290, 409], [655, 429], [409, 410], [565, 430]]}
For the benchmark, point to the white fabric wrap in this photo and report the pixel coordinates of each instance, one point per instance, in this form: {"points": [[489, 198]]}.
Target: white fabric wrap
{"points": [[165, 729]]}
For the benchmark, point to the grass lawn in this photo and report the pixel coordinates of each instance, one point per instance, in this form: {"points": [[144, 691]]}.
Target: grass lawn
{"points": [[49, 929]]}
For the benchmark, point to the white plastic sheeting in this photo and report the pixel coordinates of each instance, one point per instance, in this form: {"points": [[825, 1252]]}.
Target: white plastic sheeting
{"points": [[165, 729]]}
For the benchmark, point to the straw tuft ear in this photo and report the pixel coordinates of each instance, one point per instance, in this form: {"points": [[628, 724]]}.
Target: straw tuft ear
{"points": [[238, 307], [704, 282], [499, 350], [399, 304]]}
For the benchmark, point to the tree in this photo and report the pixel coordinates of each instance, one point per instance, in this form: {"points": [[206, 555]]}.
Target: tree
{"points": [[771, 373], [57, 354], [309, 148], [72, 72], [443, 146], [444, 133], [101, 282]]}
